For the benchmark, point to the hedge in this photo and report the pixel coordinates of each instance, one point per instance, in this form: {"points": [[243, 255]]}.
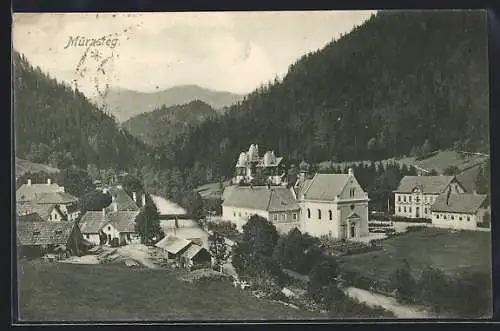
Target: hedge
{"points": [[410, 220]]}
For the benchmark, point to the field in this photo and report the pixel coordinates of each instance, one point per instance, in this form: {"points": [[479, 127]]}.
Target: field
{"points": [[450, 251], [24, 166], [68, 292]]}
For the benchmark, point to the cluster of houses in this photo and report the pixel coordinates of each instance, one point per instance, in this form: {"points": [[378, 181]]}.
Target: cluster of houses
{"points": [[335, 205]]}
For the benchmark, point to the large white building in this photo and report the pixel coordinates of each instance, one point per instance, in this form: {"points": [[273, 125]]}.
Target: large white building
{"points": [[459, 211], [416, 194], [277, 204], [333, 205]]}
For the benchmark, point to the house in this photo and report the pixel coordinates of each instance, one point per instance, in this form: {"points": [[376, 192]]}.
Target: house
{"points": [[38, 238], [28, 192], [179, 248], [121, 201], [334, 205], [251, 166], [276, 204], [104, 227], [459, 211], [415, 194], [46, 212], [66, 203], [31, 217]]}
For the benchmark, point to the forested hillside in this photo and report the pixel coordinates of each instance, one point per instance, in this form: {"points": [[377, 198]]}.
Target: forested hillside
{"points": [[125, 104], [57, 125], [165, 123], [382, 90]]}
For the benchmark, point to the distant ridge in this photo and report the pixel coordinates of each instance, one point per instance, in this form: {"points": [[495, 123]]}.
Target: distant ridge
{"points": [[124, 103]]}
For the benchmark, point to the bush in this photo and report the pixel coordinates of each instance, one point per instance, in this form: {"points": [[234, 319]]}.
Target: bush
{"points": [[405, 283], [410, 220]]}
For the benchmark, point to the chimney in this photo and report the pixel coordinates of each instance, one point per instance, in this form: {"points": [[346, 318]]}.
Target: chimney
{"points": [[49, 181], [143, 199], [350, 172], [448, 195], [115, 206], [29, 182], [104, 213], [134, 197]]}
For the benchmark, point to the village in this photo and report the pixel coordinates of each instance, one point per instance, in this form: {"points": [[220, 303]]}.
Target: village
{"points": [[331, 208]]}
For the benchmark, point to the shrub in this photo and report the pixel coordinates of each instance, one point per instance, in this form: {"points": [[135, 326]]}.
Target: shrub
{"points": [[405, 284], [410, 220]]}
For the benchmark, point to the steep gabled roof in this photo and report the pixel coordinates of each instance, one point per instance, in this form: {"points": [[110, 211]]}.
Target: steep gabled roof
{"points": [[43, 210], [32, 217], [94, 221], [193, 250], [325, 186], [44, 233], [428, 184], [173, 244], [459, 203], [272, 199], [123, 200], [29, 192], [55, 198], [123, 221]]}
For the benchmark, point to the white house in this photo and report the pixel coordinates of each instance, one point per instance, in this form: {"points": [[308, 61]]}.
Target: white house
{"points": [[334, 205], [109, 225], [277, 204], [29, 191], [459, 211], [416, 194]]}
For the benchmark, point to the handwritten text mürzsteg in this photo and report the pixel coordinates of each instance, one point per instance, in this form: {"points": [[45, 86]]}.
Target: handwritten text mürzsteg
{"points": [[81, 41]]}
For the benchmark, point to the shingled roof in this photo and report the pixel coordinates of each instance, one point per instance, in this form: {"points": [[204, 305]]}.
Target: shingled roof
{"points": [[262, 198], [93, 221], [55, 198], [29, 192], [44, 233], [325, 186], [123, 201], [464, 203], [428, 184], [32, 217], [193, 250], [43, 210], [173, 244]]}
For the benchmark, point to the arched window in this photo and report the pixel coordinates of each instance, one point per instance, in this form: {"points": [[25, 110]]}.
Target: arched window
{"points": [[319, 214], [330, 215], [308, 213]]}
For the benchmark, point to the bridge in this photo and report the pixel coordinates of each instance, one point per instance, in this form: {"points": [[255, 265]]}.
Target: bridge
{"points": [[167, 217]]}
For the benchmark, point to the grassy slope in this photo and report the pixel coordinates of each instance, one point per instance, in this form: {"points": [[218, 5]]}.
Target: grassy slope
{"points": [[450, 251], [24, 166], [57, 292]]}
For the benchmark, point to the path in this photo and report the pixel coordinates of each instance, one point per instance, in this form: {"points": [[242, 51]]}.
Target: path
{"points": [[166, 207], [388, 303]]}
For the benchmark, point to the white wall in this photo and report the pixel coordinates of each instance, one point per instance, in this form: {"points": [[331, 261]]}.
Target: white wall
{"points": [[109, 229], [459, 221], [318, 227], [284, 221], [360, 208], [92, 237], [425, 203], [240, 216]]}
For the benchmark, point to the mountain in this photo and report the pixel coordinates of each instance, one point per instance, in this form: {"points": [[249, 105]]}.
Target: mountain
{"points": [[400, 83], [125, 104], [57, 125], [165, 123]]}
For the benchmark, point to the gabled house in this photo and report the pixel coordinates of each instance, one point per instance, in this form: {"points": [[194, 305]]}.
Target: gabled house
{"points": [[104, 227], [251, 165], [459, 211], [181, 249], [121, 201], [334, 205], [416, 194], [29, 191], [38, 238], [276, 204], [46, 212]]}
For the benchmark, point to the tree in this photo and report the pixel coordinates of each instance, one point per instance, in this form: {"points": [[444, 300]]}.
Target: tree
{"points": [[94, 200], [482, 181], [147, 224], [403, 281], [322, 286], [193, 203], [219, 250], [451, 171], [258, 242], [75, 181], [297, 251]]}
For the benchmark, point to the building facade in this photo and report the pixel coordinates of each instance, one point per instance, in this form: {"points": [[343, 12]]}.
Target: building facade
{"points": [[276, 204], [415, 195], [251, 167], [459, 211], [333, 205]]}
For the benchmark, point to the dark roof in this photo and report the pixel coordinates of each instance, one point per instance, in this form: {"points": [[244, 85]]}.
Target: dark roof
{"points": [[262, 198], [123, 200], [43, 210], [194, 250], [459, 203], [173, 244], [55, 198], [428, 184], [29, 192], [468, 177], [44, 233], [301, 185], [325, 186], [93, 221], [32, 217]]}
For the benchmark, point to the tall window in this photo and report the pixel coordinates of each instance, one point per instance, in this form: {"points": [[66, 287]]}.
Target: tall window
{"points": [[319, 214], [409, 209], [399, 209], [294, 216], [308, 213], [330, 215], [399, 198], [404, 198], [352, 192], [409, 198]]}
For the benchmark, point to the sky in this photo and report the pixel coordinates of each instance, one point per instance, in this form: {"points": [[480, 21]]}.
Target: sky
{"points": [[147, 52]]}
